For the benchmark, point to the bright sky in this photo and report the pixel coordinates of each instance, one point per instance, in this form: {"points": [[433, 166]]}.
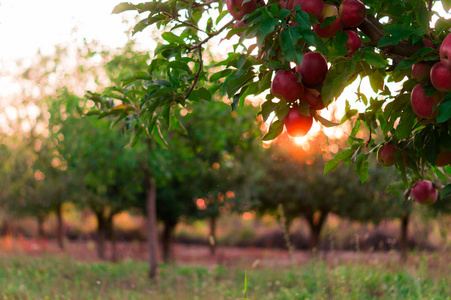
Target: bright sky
{"points": [[29, 25]]}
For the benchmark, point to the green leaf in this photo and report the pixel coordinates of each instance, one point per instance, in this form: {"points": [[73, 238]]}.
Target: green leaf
{"points": [[158, 136], [265, 28], [124, 6], [274, 131], [404, 128], [362, 167], [446, 191], [332, 164], [444, 110], [288, 42], [200, 94], [325, 122], [172, 38], [446, 5], [267, 108], [374, 59]]}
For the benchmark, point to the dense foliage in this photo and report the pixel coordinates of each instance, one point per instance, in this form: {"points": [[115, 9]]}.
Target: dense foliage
{"points": [[385, 42]]}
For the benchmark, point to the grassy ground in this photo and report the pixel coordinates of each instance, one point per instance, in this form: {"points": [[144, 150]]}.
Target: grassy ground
{"points": [[60, 277]]}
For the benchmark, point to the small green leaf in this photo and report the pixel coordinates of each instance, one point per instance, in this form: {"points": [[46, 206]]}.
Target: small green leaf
{"points": [[446, 191], [124, 6], [288, 41], [325, 122], [404, 128], [275, 129], [172, 38], [362, 167], [374, 59], [444, 110], [446, 5]]}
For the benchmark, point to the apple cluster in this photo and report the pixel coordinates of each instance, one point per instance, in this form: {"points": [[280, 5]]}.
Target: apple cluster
{"points": [[424, 191], [301, 87], [438, 74], [313, 70]]}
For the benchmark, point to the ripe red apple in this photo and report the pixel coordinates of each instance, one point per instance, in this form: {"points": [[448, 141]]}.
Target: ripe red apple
{"points": [[286, 4], [424, 192], [422, 105], [354, 43], [313, 97], [443, 159], [445, 51], [285, 86], [386, 155], [421, 71], [238, 10], [297, 125], [441, 77], [313, 68], [330, 29], [352, 13], [310, 6]]}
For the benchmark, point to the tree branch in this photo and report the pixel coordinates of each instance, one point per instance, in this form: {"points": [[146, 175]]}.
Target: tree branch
{"points": [[196, 4], [210, 36], [373, 29], [196, 78]]}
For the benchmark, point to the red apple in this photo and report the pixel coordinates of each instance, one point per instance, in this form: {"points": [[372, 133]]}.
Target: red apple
{"points": [[445, 51], [286, 4], [313, 97], [441, 77], [313, 68], [354, 43], [386, 155], [285, 86], [297, 125], [443, 159], [238, 10], [310, 6], [424, 192], [428, 43], [330, 29], [424, 106], [421, 71], [352, 13]]}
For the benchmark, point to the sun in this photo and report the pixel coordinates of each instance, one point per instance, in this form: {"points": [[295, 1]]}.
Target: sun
{"points": [[301, 140]]}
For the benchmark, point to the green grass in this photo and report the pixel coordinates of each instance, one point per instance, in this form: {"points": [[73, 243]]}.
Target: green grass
{"points": [[23, 277]]}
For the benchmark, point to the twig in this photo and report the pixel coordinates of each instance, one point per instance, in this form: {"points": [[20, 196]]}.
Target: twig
{"points": [[210, 36], [182, 22], [196, 4], [196, 78]]}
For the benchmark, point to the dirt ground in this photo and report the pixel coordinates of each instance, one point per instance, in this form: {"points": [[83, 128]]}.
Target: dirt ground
{"points": [[194, 255]]}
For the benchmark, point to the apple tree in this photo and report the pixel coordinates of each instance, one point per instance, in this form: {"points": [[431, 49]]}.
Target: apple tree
{"points": [[301, 55]]}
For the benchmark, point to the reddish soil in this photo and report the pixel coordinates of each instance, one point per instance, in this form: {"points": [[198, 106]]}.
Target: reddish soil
{"points": [[194, 254]]}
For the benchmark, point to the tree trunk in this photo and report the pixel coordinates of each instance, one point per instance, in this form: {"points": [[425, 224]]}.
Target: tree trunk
{"points": [[212, 237], [152, 230], [403, 239], [41, 232], [112, 236], [316, 225], [101, 235], [60, 226], [167, 241]]}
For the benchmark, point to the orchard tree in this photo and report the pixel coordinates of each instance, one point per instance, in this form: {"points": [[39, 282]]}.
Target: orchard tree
{"points": [[304, 53]]}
